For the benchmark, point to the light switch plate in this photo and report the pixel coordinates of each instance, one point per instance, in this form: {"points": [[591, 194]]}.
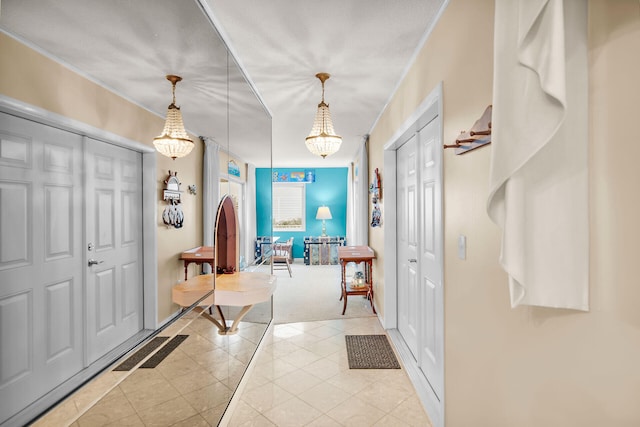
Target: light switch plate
{"points": [[462, 247]]}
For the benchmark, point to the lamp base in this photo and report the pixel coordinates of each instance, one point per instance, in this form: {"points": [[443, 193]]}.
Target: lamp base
{"points": [[324, 229]]}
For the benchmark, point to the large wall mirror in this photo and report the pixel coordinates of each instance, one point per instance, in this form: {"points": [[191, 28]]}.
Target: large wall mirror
{"points": [[201, 357]]}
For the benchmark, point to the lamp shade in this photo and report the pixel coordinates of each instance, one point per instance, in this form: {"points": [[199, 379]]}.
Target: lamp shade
{"points": [[323, 213]]}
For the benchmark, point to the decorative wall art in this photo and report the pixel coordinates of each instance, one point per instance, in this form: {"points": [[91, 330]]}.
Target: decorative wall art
{"points": [[307, 175], [375, 188], [172, 215], [233, 168]]}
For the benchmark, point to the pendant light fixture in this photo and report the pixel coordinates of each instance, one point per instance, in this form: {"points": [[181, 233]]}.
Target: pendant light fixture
{"points": [[322, 140], [174, 141]]}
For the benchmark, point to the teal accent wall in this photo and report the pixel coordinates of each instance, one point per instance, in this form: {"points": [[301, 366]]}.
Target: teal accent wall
{"points": [[329, 189]]}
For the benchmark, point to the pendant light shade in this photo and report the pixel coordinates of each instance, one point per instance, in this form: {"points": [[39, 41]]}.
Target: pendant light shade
{"points": [[322, 140], [174, 141]]}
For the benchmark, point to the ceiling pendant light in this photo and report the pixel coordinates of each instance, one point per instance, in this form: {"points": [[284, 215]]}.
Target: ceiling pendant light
{"points": [[322, 140], [174, 141]]}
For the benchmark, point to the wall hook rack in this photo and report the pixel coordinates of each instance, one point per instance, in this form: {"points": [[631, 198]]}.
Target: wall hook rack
{"points": [[478, 136]]}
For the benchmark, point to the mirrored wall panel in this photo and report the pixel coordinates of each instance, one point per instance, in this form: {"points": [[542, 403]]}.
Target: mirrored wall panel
{"points": [[189, 369]]}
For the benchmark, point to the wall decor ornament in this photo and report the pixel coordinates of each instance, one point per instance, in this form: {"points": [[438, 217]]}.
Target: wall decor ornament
{"points": [[376, 216], [375, 188], [172, 215], [306, 176], [233, 168]]}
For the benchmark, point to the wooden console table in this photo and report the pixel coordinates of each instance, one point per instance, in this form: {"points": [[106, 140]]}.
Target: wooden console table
{"points": [[357, 254], [240, 289], [199, 255]]}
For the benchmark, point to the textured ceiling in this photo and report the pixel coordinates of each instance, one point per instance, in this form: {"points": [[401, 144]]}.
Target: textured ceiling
{"points": [[129, 45]]}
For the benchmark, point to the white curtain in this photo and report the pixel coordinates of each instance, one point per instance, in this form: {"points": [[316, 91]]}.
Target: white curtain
{"points": [[210, 192], [351, 220], [361, 199], [539, 158], [250, 213]]}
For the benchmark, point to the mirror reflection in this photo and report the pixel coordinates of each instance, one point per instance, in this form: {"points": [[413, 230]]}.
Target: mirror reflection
{"points": [[193, 374], [212, 316]]}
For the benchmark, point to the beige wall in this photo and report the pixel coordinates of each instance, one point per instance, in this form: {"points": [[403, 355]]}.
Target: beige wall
{"points": [[34, 79], [533, 366]]}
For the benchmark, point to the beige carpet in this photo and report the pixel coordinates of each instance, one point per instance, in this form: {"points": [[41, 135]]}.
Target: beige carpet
{"points": [[313, 293]]}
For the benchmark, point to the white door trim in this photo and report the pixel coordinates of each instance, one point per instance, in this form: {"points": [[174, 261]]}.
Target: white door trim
{"points": [[430, 108], [149, 216]]}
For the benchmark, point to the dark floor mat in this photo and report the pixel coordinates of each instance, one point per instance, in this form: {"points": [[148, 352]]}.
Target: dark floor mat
{"points": [[370, 352], [135, 358], [166, 350]]}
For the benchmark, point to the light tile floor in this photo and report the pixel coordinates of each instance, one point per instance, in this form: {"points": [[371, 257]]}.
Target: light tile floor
{"points": [[301, 377], [191, 386]]}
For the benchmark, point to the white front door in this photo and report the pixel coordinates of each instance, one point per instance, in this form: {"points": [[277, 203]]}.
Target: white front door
{"points": [[41, 260], [420, 253], [114, 246], [407, 204], [58, 193]]}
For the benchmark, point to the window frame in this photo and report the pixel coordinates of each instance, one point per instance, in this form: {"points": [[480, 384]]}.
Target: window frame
{"points": [[281, 186]]}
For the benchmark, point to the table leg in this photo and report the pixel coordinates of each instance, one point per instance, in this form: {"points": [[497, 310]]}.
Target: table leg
{"points": [[234, 326], [369, 269], [223, 329], [342, 280], [344, 287], [212, 319]]}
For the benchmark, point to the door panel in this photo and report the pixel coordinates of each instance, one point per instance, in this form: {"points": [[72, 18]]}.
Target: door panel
{"points": [[408, 311], [104, 206], [40, 260], [429, 342], [59, 218], [114, 230], [16, 342], [15, 251], [130, 285], [432, 295], [60, 318], [105, 301], [428, 229]]}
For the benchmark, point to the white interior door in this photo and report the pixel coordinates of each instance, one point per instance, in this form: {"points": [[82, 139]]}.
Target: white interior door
{"points": [[431, 257], [420, 252], [114, 301], [41, 260], [407, 227]]}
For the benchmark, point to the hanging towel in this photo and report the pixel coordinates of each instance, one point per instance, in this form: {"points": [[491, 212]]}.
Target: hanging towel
{"points": [[539, 160]]}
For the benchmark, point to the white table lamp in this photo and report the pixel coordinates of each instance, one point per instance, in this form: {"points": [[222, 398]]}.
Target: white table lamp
{"points": [[323, 214]]}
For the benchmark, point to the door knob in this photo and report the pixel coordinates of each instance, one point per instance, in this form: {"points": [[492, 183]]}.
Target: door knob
{"points": [[413, 260], [94, 262]]}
